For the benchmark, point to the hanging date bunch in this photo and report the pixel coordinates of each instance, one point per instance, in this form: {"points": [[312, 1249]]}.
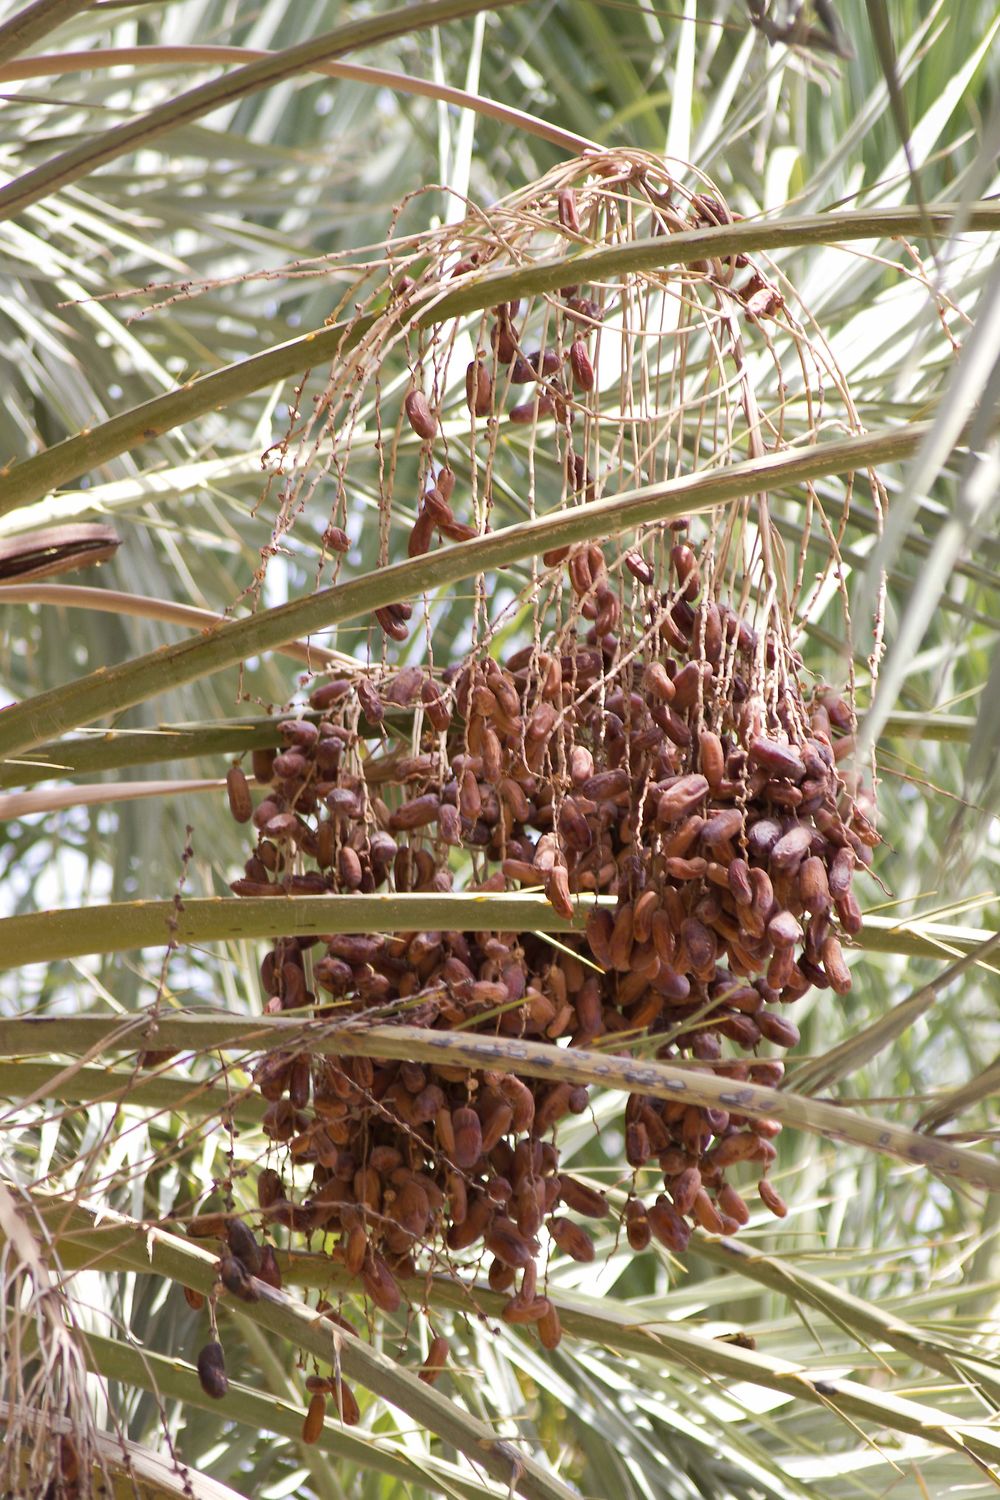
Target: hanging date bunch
{"points": [[654, 735]]}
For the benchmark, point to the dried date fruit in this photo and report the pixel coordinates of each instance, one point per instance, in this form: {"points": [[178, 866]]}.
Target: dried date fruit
{"points": [[236, 1278], [436, 1362], [667, 1226], [420, 416], [242, 1243], [346, 1404], [238, 791], [212, 1371], [479, 388], [583, 369], [572, 1239], [772, 1199], [568, 216], [312, 1425], [335, 539]]}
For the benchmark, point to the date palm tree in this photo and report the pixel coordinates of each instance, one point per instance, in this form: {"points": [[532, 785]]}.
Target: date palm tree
{"points": [[200, 197]]}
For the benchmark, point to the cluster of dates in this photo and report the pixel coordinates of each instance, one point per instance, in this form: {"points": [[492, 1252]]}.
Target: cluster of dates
{"points": [[718, 818], [243, 1262], [510, 381]]}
